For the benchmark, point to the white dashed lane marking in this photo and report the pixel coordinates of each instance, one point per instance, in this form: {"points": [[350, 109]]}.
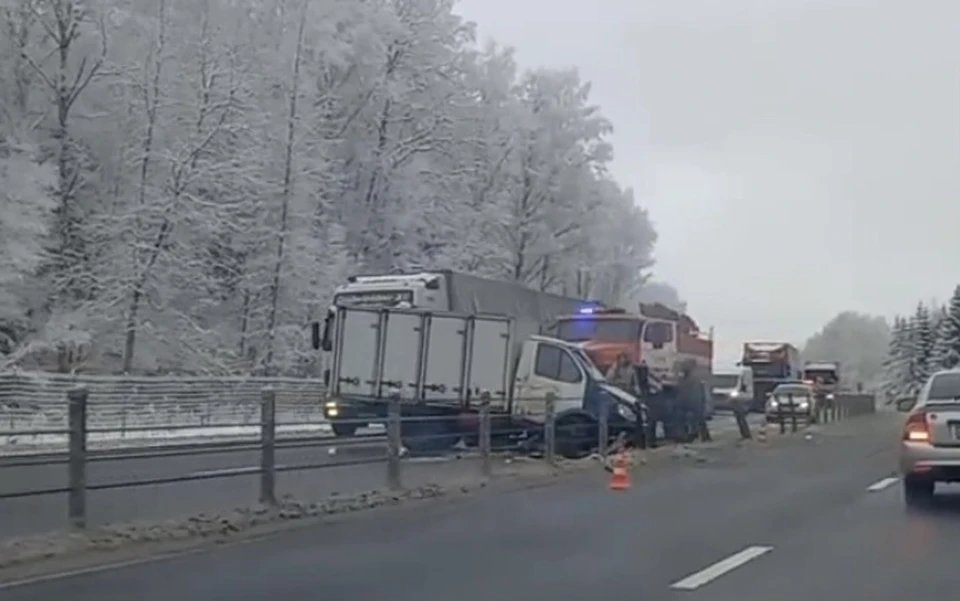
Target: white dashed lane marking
{"points": [[710, 573], [880, 485]]}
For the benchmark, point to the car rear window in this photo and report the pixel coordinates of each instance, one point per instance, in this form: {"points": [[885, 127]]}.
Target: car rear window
{"points": [[945, 387]]}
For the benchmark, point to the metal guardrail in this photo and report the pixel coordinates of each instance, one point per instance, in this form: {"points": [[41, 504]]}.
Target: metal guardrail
{"points": [[842, 406], [551, 438]]}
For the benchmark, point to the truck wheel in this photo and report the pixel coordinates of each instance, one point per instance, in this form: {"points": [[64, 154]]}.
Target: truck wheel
{"points": [[431, 435], [342, 430], [576, 436]]}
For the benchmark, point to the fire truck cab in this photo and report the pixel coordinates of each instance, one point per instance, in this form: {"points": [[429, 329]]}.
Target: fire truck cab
{"points": [[656, 334]]}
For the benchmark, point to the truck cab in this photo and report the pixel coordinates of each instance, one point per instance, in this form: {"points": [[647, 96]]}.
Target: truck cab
{"points": [[661, 337], [823, 376]]}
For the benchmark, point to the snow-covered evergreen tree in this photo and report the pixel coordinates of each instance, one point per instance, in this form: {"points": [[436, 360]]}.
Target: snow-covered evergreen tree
{"points": [[896, 367], [920, 348], [948, 334], [938, 320]]}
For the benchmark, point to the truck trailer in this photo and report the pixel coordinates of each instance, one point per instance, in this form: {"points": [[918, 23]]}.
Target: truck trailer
{"points": [[440, 365], [452, 291]]}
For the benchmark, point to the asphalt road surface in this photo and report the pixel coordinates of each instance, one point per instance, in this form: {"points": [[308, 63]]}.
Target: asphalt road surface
{"points": [[36, 514], [803, 520]]}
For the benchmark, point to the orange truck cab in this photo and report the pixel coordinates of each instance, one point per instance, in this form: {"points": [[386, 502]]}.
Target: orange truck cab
{"points": [[656, 334]]}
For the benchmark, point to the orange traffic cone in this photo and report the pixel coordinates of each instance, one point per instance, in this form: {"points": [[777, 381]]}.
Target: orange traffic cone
{"points": [[621, 477]]}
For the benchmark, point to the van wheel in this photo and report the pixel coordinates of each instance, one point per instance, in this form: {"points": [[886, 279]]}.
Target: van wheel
{"points": [[576, 436], [917, 492], [432, 434]]}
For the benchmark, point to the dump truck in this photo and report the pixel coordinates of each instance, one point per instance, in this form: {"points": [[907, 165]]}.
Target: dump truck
{"points": [[440, 365]]}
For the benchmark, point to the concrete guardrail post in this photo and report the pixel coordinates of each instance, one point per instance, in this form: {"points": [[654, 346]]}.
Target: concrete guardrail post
{"points": [[394, 442], [77, 460], [268, 446], [483, 441], [550, 428], [793, 416]]}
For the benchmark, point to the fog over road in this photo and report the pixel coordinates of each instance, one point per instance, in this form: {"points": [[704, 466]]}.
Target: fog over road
{"points": [[802, 520]]}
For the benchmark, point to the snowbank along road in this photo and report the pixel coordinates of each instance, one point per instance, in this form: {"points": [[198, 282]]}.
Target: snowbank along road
{"points": [[805, 518], [238, 486]]}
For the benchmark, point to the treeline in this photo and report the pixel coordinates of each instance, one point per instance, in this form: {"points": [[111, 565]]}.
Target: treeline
{"points": [[184, 182], [921, 344]]}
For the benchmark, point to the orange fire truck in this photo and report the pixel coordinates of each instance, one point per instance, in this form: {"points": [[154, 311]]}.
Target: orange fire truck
{"points": [[662, 337]]}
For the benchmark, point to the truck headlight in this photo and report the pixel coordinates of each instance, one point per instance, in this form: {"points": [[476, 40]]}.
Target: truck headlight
{"points": [[773, 404], [830, 397], [803, 404]]}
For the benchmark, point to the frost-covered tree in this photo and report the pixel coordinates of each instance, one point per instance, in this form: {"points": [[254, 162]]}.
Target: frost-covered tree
{"points": [[196, 177], [27, 206], [858, 342], [661, 292]]}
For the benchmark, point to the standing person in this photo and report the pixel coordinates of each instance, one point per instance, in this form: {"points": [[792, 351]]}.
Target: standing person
{"points": [[622, 374], [692, 401]]}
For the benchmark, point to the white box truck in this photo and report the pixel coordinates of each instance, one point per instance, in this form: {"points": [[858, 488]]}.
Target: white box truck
{"points": [[452, 291], [441, 363]]}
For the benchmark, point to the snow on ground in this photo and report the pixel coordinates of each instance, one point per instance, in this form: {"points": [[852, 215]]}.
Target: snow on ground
{"points": [[42, 428]]}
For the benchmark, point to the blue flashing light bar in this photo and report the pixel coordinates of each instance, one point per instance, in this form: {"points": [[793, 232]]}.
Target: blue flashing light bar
{"points": [[587, 310]]}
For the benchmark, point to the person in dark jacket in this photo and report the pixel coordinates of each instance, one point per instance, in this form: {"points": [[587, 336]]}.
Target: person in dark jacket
{"points": [[643, 379], [623, 375], [692, 401]]}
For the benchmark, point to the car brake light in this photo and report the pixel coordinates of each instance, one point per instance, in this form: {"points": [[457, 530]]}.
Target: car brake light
{"points": [[916, 428]]}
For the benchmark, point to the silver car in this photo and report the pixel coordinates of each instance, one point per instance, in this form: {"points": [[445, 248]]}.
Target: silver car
{"points": [[930, 441], [795, 398]]}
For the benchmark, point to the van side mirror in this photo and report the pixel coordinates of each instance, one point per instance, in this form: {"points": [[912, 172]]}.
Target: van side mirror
{"points": [[326, 337], [315, 335], [743, 387], [906, 404]]}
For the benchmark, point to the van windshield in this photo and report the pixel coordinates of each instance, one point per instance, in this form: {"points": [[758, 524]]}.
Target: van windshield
{"points": [[580, 329], [587, 364]]}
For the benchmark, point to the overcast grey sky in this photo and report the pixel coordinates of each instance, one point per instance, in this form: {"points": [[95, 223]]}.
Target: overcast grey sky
{"points": [[799, 157]]}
